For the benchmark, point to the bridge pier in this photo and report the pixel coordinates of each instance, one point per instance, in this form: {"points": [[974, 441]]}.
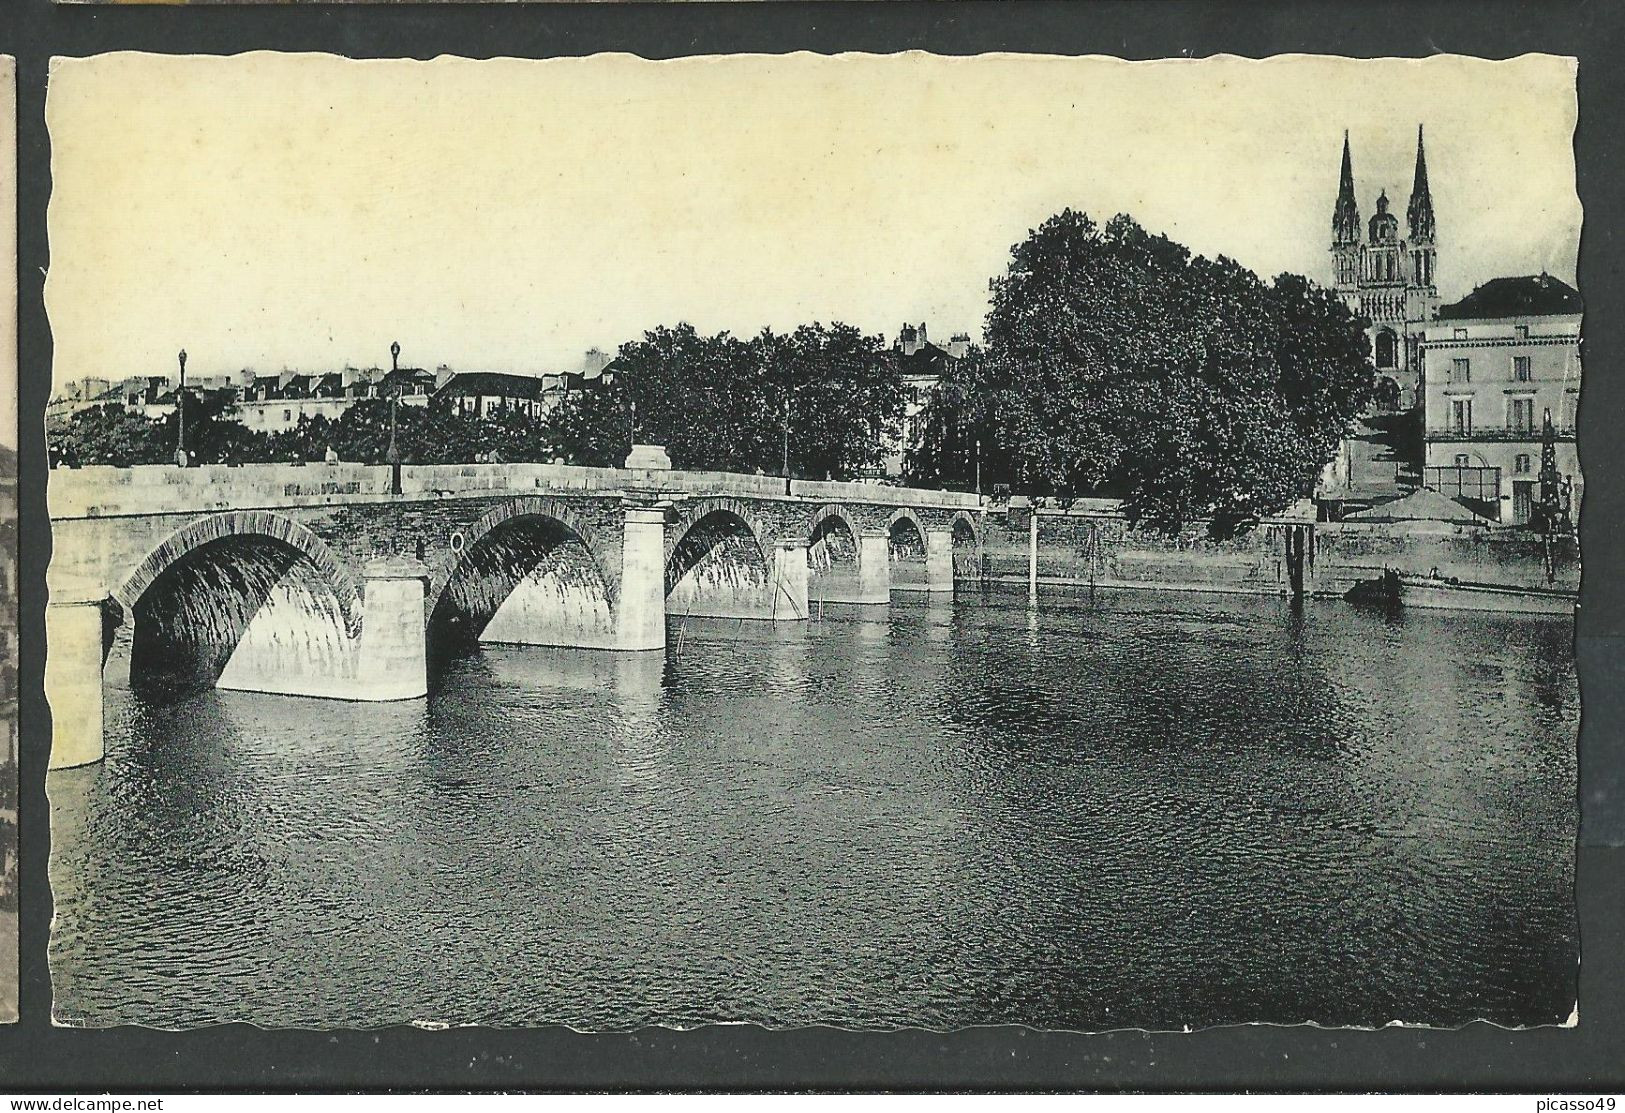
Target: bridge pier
{"points": [[295, 646], [393, 660], [874, 567], [939, 560], [74, 646], [790, 575], [640, 610]]}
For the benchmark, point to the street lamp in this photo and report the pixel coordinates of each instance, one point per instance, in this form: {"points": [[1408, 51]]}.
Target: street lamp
{"points": [[787, 438], [978, 469], [393, 453], [180, 415]]}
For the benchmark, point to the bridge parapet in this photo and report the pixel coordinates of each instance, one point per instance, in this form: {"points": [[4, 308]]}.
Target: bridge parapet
{"points": [[94, 492]]}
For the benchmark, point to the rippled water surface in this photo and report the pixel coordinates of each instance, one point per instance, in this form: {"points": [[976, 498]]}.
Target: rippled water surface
{"points": [[1130, 810]]}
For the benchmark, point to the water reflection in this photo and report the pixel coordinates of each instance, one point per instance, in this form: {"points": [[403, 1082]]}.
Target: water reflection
{"points": [[1115, 809]]}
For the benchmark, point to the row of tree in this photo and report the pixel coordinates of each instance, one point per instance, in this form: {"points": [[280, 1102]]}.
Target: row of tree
{"points": [[1114, 363]]}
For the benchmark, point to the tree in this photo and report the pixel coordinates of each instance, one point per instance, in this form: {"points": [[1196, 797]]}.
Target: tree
{"points": [[721, 402], [109, 434], [957, 443], [844, 392], [593, 428], [1119, 364], [213, 433]]}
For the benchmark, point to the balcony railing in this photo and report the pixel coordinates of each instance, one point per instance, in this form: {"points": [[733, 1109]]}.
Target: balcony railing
{"points": [[1564, 433]]}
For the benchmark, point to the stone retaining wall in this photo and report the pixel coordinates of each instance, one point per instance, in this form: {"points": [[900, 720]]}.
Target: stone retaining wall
{"points": [[1099, 547]]}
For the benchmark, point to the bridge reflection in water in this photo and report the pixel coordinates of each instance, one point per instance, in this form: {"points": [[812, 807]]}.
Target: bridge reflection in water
{"points": [[1115, 810]]}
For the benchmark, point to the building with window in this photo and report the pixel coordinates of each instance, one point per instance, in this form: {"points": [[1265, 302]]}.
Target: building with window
{"points": [[1498, 362], [1389, 279], [277, 403], [923, 365], [534, 395], [486, 393]]}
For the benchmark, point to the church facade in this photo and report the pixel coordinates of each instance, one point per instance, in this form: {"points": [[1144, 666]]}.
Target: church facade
{"points": [[1389, 279]]}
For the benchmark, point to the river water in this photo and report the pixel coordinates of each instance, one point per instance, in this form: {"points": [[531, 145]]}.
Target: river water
{"points": [[1126, 810]]}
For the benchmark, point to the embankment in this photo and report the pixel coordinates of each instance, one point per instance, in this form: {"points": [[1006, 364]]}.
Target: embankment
{"points": [[1098, 547]]}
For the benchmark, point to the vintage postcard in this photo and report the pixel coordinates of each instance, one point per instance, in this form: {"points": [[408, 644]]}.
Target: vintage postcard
{"points": [[873, 541], [8, 539]]}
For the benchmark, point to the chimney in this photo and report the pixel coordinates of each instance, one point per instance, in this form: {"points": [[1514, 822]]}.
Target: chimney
{"points": [[908, 341], [594, 362], [958, 345]]}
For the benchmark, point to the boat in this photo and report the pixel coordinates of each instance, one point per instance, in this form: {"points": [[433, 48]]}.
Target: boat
{"points": [[1450, 594]]}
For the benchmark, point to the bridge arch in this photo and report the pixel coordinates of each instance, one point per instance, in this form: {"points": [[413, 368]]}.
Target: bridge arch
{"points": [[532, 572], [832, 542], [967, 547], [717, 561], [713, 512], [908, 550], [530, 506], [908, 535], [964, 525], [238, 524], [242, 599]]}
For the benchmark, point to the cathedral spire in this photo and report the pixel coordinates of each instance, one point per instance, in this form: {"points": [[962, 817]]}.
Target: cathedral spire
{"points": [[1346, 217], [1419, 215]]}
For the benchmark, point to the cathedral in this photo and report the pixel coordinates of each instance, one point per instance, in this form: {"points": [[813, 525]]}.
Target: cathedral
{"points": [[1389, 279]]}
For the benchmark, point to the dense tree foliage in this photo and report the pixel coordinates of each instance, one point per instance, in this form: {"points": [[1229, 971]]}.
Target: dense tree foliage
{"points": [[722, 402], [424, 434], [1117, 363], [110, 434], [106, 434]]}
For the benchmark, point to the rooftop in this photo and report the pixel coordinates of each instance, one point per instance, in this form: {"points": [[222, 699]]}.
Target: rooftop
{"points": [[1532, 295], [493, 384]]}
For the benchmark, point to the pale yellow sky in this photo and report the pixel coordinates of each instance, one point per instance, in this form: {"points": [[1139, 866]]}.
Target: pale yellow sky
{"points": [[303, 211]]}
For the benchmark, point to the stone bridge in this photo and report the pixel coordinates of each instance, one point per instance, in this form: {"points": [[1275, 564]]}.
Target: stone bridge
{"points": [[322, 581]]}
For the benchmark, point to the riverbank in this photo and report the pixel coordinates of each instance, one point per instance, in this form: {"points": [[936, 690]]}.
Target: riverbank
{"points": [[1438, 564]]}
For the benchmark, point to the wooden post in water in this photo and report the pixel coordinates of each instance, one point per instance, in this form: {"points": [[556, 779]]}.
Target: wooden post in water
{"points": [[1032, 556]]}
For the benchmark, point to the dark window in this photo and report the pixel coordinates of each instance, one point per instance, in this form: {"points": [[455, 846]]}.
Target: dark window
{"points": [[1521, 415], [1461, 415], [1387, 349]]}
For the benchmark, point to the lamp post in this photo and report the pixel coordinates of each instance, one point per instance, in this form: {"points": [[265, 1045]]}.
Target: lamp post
{"points": [[393, 453], [787, 438], [978, 469], [180, 415]]}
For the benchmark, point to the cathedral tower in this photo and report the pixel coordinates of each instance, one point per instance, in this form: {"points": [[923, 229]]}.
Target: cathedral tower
{"points": [[1346, 229], [1423, 291], [1387, 278]]}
